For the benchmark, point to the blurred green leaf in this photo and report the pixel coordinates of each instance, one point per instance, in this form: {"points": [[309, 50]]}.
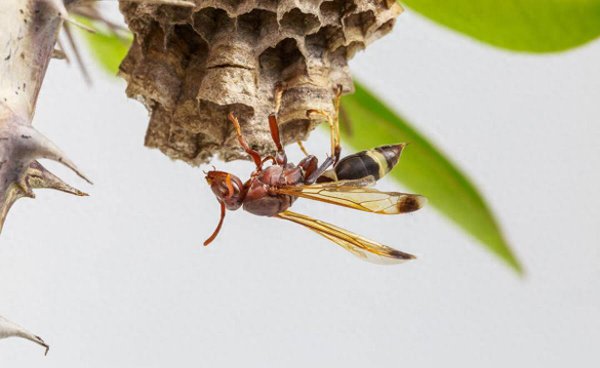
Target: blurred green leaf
{"points": [[521, 25], [107, 48], [425, 170]]}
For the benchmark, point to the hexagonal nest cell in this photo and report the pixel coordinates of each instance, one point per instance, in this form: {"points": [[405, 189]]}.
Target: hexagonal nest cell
{"points": [[191, 66]]}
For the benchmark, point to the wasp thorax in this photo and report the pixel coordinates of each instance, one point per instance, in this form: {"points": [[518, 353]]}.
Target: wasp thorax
{"points": [[193, 65]]}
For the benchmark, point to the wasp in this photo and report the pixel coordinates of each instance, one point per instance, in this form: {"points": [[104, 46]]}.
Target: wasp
{"points": [[272, 190]]}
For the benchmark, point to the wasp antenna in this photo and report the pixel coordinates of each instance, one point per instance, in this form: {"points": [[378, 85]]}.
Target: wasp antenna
{"points": [[219, 225], [213, 169]]}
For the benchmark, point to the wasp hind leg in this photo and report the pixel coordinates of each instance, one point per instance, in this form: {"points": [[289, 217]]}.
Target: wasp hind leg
{"points": [[334, 125], [336, 148], [302, 148]]}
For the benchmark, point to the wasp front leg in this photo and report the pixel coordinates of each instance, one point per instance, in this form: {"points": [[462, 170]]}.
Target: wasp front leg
{"points": [[238, 131], [280, 157]]}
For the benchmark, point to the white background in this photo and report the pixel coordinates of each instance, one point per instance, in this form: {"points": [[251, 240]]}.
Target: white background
{"points": [[120, 279]]}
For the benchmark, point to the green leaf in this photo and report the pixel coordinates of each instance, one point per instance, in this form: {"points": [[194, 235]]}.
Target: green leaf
{"points": [[425, 170], [521, 25], [107, 48]]}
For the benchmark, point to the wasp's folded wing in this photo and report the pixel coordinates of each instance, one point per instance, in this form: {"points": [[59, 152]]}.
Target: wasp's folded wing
{"points": [[349, 194], [367, 181], [361, 247]]}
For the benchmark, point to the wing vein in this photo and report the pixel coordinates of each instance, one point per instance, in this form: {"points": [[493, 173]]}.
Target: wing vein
{"points": [[359, 246]]}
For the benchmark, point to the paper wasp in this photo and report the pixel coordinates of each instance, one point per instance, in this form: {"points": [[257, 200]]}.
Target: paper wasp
{"points": [[271, 190]]}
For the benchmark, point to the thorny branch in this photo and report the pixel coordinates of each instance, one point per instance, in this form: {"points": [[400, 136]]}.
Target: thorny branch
{"points": [[28, 40]]}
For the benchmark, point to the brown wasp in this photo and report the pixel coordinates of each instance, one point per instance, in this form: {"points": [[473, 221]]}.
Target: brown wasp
{"points": [[271, 190]]}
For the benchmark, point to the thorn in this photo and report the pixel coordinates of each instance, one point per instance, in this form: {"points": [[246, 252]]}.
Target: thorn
{"points": [[183, 3], [25, 188], [43, 343], [93, 14], [79, 25], [38, 176], [62, 48], [7, 199], [59, 54], [11, 329], [41, 147], [19, 172], [63, 13], [80, 63]]}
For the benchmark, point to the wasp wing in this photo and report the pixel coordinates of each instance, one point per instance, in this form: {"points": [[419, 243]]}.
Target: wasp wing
{"points": [[355, 194], [367, 181], [361, 247]]}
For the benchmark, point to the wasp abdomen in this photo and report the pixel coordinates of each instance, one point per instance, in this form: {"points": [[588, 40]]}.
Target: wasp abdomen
{"points": [[376, 162]]}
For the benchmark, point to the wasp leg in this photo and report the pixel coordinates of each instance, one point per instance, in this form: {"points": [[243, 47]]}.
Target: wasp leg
{"points": [[269, 157], [302, 148], [336, 149], [281, 157], [308, 164], [334, 124], [238, 131], [346, 122], [312, 178], [337, 99]]}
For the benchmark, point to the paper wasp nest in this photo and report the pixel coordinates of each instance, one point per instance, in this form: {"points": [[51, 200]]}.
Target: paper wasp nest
{"points": [[190, 66]]}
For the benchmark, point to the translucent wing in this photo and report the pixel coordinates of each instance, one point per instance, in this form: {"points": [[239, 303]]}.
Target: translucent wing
{"points": [[363, 248], [355, 194]]}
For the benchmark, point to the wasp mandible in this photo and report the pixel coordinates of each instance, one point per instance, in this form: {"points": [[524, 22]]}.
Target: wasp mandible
{"points": [[271, 190]]}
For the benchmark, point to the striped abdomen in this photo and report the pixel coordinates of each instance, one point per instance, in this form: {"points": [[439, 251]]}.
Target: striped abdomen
{"points": [[376, 162]]}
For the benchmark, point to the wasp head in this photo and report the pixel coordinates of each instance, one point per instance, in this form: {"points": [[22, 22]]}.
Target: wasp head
{"points": [[227, 187]]}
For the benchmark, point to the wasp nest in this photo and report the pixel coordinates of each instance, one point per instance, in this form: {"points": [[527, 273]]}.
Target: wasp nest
{"points": [[192, 64]]}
